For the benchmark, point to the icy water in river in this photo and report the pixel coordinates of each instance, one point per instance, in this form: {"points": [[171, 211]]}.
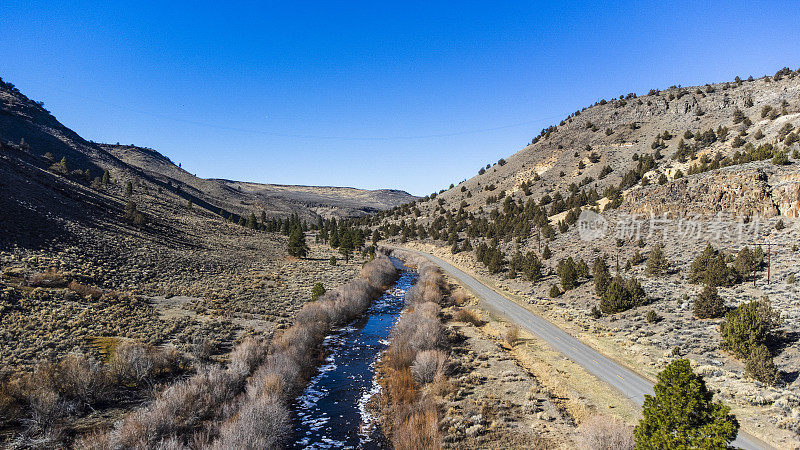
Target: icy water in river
{"points": [[331, 412]]}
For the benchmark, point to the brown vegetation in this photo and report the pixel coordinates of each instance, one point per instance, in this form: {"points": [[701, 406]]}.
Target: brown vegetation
{"points": [[415, 358], [241, 405], [603, 433]]}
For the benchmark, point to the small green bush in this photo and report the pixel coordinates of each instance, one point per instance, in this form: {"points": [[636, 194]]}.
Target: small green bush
{"points": [[317, 291], [554, 291]]}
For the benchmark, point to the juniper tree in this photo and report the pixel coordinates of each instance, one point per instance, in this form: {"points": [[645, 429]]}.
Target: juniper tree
{"points": [[748, 326], [760, 366], [709, 304], [657, 263], [133, 216], [251, 222], [317, 291], [601, 275], [682, 413]]}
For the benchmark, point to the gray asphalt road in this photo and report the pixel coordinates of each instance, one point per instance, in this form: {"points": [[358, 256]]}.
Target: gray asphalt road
{"points": [[624, 380]]}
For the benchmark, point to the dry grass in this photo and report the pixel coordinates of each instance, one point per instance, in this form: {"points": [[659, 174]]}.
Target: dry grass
{"points": [[511, 335], [85, 291], [605, 433], [468, 316], [461, 297], [50, 278]]}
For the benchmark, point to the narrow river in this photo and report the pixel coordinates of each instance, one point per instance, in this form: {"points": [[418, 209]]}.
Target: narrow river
{"points": [[331, 412]]}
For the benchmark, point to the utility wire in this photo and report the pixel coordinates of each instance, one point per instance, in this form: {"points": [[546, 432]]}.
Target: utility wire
{"points": [[304, 136]]}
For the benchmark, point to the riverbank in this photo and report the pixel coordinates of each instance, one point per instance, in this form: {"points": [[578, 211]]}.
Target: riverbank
{"points": [[245, 402]]}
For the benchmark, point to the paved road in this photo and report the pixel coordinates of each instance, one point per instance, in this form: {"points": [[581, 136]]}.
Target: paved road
{"points": [[629, 383]]}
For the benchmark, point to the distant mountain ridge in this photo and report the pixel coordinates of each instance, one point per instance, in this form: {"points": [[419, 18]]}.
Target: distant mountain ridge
{"points": [[51, 177]]}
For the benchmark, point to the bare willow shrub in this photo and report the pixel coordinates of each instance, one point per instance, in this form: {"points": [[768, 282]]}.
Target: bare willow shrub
{"points": [[428, 310], [95, 440], [132, 362], [380, 272], [269, 381], [429, 365], [428, 335], [301, 344], [401, 388], [399, 355], [605, 432], [427, 289], [260, 424], [419, 429], [248, 354], [179, 408], [313, 312], [84, 379]]}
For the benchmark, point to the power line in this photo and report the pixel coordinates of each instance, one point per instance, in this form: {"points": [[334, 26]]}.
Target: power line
{"points": [[305, 136]]}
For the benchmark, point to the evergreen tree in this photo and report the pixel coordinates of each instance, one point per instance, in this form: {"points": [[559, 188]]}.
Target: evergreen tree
{"points": [[748, 326], [251, 222], [761, 367], [317, 291], [657, 263], [568, 273], [376, 236], [601, 275], [106, 177], [346, 247], [335, 238], [682, 414], [297, 243], [133, 216], [709, 304], [128, 189]]}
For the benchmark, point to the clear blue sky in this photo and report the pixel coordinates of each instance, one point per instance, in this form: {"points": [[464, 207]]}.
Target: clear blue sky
{"points": [[410, 95]]}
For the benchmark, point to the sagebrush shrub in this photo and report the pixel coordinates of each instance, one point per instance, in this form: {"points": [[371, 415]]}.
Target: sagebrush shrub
{"points": [[605, 433]]}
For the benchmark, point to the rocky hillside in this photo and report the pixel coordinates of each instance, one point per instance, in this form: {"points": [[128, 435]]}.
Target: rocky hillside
{"points": [[681, 127], [723, 162]]}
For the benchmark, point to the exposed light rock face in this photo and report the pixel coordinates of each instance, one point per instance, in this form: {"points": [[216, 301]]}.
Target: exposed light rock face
{"points": [[747, 190], [786, 195]]}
